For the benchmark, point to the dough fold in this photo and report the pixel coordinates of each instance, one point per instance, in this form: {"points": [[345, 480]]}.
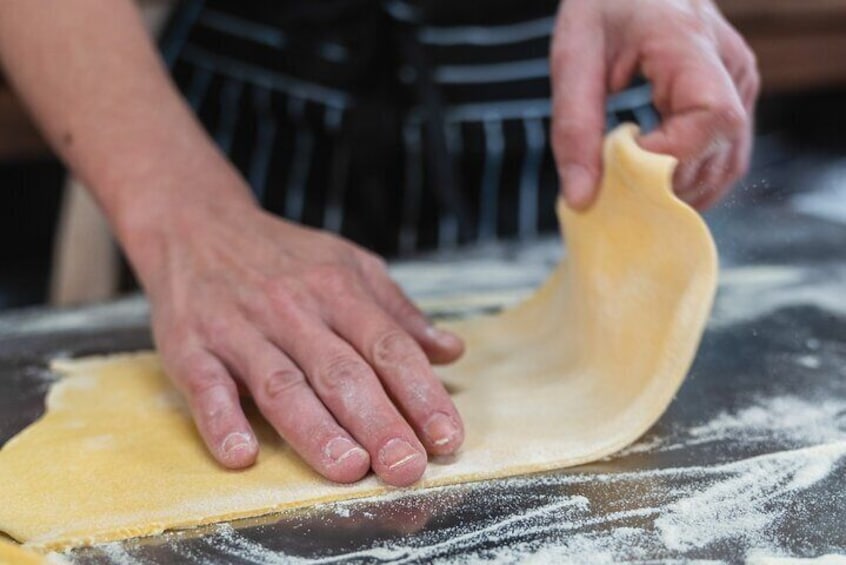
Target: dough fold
{"points": [[579, 370]]}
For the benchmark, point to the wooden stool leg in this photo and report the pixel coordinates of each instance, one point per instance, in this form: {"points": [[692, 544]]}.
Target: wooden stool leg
{"points": [[86, 264]]}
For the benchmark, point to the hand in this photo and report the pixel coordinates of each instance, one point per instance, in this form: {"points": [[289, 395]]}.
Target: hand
{"points": [[705, 82], [336, 358], [333, 353]]}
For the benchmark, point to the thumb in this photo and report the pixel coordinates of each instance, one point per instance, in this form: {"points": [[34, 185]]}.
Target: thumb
{"points": [[578, 108]]}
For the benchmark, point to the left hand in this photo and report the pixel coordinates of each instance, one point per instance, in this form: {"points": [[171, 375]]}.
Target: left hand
{"points": [[704, 78]]}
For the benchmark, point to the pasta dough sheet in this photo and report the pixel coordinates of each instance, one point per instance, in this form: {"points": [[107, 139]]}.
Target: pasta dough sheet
{"points": [[576, 372], [14, 554]]}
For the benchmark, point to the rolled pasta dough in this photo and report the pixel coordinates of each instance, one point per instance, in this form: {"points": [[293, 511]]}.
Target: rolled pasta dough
{"points": [[579, 370]]}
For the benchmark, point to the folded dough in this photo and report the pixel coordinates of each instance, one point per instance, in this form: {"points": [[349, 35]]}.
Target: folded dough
{"points": [[579, 370]]}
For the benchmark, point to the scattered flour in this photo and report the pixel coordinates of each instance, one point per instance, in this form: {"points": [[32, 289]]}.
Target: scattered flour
{"points": [[116, 553], [684, 510], [829, 200], [789, 420], [666, 514], [758, 557], [809, 361], [747, 293], [343, 511], [745, 500]]}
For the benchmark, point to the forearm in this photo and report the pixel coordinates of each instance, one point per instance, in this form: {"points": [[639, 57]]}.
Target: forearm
{"points": [[238, 297], [95, 84]]}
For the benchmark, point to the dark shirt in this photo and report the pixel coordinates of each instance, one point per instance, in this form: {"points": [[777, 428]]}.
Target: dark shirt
{"points": [[401, 125]]}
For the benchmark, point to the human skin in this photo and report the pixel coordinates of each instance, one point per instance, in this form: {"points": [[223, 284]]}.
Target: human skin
{"points": [[337, 359], [705, 83]]}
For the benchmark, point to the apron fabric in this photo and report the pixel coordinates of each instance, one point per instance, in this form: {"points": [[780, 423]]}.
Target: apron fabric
{"points": [[403, 126]]}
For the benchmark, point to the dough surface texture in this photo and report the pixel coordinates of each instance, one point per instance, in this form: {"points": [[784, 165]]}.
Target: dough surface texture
{"points": [[579, 370], [14, 554]]}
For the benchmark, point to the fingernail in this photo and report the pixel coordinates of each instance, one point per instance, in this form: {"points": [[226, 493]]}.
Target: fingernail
{"points": [[396, 453], [235, 442], [340, 448], [443, 338], [440, 429], [577, 184]]}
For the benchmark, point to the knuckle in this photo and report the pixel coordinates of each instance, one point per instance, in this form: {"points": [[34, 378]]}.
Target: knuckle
{"points": [[333, 279], [281, 382], [755, 85], [372, 263], [174, 338], [698, 27], [562, 55], [404, 309], [215, 330], [751, 58], [568, 136], [695, 16], [281, 295], [201, 374], [393, 348], [341, 373], [730, 116], [329, 242], [754, 80]]}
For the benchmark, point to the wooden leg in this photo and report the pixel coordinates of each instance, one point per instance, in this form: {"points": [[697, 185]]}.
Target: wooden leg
{"points": [[86, 265]]}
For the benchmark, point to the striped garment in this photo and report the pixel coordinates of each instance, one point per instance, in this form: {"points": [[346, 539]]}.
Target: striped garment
{"points": [[401, 125]]}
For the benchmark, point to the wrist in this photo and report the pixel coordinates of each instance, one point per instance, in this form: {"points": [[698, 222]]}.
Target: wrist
{"points": [[177, 201]]}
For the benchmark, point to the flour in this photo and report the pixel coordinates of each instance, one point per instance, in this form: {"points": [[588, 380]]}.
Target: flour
{"points": [[789, 420], [686, 509], [750, 292], [744, 498], [759, 557], [227, 540], [673, 514], [116, 553], [828, 200], [668, 514], [809, 361]]}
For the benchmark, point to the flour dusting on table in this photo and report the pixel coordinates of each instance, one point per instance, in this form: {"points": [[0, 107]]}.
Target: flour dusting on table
{"points": [[655, 514], [766, 456]]}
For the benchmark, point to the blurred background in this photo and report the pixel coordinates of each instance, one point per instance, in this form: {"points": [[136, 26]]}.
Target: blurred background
{"points": [[53, 250]]}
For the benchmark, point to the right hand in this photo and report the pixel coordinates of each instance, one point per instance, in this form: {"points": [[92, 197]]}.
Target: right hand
{"points": [[335, 356], [705, 82]]}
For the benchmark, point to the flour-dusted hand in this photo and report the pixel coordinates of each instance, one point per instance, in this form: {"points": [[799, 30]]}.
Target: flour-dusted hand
{"points": [[335, 356], [705, 83]]}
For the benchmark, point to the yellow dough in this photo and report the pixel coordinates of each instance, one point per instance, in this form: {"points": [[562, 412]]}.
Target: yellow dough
{"points": [[578, 371], [14, 554]]}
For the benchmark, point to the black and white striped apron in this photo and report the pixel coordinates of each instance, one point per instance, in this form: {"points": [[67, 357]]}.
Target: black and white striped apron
{"points": [[401, 125]]}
